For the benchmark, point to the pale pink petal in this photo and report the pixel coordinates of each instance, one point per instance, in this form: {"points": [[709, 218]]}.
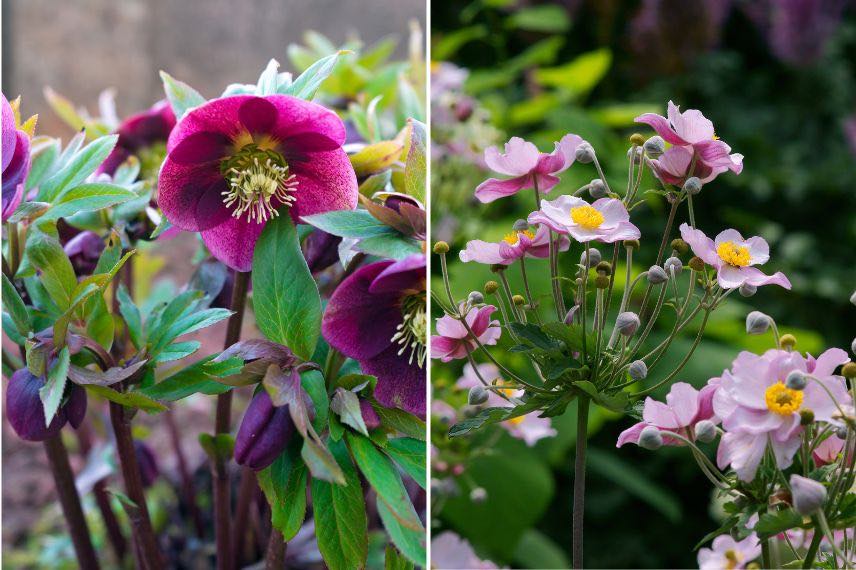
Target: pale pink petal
{"points": [[520, 157], [483, 252], [731, 235], [662, 126], [730, 277], [759, 250], [451, 327], [659, 414], [562, 157], [494, 189], [613, 211], [828, 361], [631, 434], [743, 451], [701, 245], [690, 125], [683, 400], [754, 276]]}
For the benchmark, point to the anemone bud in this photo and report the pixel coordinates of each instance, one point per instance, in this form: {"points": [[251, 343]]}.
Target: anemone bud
{"points": [[849, 370], [655, 146], [584, 153], [597, 188], [637, 139], [853, 346], [808, 495], [747, 290], [657, 275], [477, 395], [795, 380], [627, 323], [631, 243], [478, 495], [635, 154], [569, 316], [680, 246], [520, 225], [604, 268], [601, 281], [696, 263], [593, 257], [841, 432], [806, 417], [491, 287], [638, 370], [518, 300], [788, 341], [705, 431], [441, 247], [692, 186], [475, 298], [673, 266], [757, 323], [650, 438]]}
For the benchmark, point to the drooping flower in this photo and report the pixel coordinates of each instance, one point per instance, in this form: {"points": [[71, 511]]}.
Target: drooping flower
{"points": [[527, 167], [695, 134], [684, 408], [233, 162], [757, 408], [529, 427], [26, 413], [453, 341], [513, 246], [16, 160], [377, 316], [143, 135], [83, 250], [451, 552], [605, 220], [734, 258], [725, 552], [264, 433]]}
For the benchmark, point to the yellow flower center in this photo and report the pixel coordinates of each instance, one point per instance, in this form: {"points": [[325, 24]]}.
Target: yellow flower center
{"points": [[733, 558], [513, 238], [587, 217], [782, 400], [733, 254], [513, 421]]}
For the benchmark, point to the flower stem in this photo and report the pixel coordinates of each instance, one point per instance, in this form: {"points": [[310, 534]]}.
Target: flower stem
{"points": [[70, 502], [275, 556], [580, 480], [815, 544], [187, 485], [246, 494], [765, 553]]}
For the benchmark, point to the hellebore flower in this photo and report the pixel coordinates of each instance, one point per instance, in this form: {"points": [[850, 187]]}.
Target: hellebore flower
{"points": [[756, 407], [83, 250], [685, 406], [453, 341], [26, 413], [725, 552], [694, 133], [377, 317], [321, 250], [143, 135], [16, 161], [450, 551], [529, 427], [605, 220], [734, 258], [233, 162], [264, 433], [527, 167], [147, 462], [513, 246]]}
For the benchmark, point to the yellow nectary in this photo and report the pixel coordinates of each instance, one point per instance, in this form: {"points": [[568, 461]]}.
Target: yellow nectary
{"points": [[733, 254], [782, 400], [587, 217]]}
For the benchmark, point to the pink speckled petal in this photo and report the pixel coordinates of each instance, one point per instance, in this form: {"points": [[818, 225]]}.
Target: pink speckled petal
{"points": [[190, 195], [233, 242], [325, 183]]}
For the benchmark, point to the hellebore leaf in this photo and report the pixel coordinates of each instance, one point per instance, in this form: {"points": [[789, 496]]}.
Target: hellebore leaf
{"points": [[308, 82], [409, 454], [132, 399], [284, 485], [29, 211], [87, 198], [178, 350], [16, 308], [321, 462], [376, 157], [415, 169], [57, 273], [382, 475], [51, 393], [392, 245], [44, 158], [409, 103], [346, 404], [82, 164], [268, 79], [340, 516], [220, 446], [286, 301], [313, 384], [400, 421], [182, 97], [131, 314], [189, 380], [348, 223], [285, 389], [411, 543], [393, 560], [83, 376]]}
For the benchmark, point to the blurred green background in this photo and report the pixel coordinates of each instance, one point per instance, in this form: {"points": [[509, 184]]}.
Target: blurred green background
{"points": [[778, 79]]}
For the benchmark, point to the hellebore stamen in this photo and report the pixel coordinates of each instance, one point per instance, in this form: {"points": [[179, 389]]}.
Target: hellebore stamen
{"points": [[412, 331], [255, 183]]}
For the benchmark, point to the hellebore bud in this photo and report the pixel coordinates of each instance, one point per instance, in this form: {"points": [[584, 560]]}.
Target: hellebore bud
{"points": [[637, 139], [692, 186], [597, 188], [673, 267], [808, 495], [747, 290], [849, 370], [370, 417], [83, 250], [478, 395], [627, 323], [321, 250], [584, 153], [638, 370], [757, 323], [264, 433], [788, 341], [491, 287], [655, 146], [518, 300], [631, 243], [26, 413], [147, 462], [475, 298], [593, 257], [478, 495], [696, 263], [604, 268], [705, 431], [680, 246], [657, 275], [795, 380], [441, 247], [650, 438], [806, 417], [520, 225], [601, 281], [569, 316]]}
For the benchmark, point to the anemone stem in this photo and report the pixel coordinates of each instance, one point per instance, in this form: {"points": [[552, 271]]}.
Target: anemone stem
{"points": [[580, 480]]}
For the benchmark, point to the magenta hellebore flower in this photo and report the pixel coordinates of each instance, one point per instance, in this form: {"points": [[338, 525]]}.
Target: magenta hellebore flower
{"points": [[513, 246], [16, 161], [232, 162], [725, 552], [605, 220], [377, 317], [734, 258], [143, 135], [527, 166], [453, 341], [757, 408], [83, 250], [26, 413], [691, 135], [685, 406]]}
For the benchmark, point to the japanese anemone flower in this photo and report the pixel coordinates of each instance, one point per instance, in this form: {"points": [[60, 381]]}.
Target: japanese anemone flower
{"points": [[16, 160], [757, 408], [605, 220], [527, 166], [143, 135], [234, 163], [734, 258], [453, 341], [725, 552], [513, 246], [685, 406], [377, 317]]}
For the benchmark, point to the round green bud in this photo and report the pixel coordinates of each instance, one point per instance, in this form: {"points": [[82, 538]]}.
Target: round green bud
{"points": [[806, 417], [696, 264], [441, 247], [604, 268], [788, 341], [491, 287], [601, 281], [637, 139], [680, 246], [631, 243], [518, 300], [849, 370]]}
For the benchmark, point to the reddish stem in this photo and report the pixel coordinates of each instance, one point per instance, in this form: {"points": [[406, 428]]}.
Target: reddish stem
{"points": [[187, 486]]}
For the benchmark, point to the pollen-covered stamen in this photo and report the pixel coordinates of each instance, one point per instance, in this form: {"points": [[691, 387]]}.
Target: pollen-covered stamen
{"points": [[513, 238], [587, 216], [733, 254], [411, 333], [734, 558], [782, 400], [259, 182]]}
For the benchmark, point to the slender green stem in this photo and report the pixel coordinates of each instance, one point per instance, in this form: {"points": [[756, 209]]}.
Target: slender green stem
{"points": [[765, 553], [810, 555], [624, 296], [528, 292], [666, 233], [583, 284], [580, 480]]}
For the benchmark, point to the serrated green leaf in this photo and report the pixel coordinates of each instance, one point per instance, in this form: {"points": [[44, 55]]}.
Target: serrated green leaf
{"points": [[182, 97], [82, 164], [409, 454], [87, 198], [400, 421], [16, 308], [52, 391], [410, 542], [57, 273], [189, 380]]}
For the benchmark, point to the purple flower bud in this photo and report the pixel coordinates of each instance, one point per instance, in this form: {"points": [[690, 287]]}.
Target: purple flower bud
{"points": [[394, 201], [370, 417], [808, 495], [264, 433], [147, 463], [627, 323], [321, 250], [571, 314], [83, 250], [25, 411], [75, 408]]}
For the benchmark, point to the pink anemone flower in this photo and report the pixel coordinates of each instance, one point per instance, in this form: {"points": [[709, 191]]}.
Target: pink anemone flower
{"points": [[451, 552], [605, 220], [757, 408], [232, 163], [685, 406], [513, 246], [453, 341], [734, 258], [725, 552], [828, 450], [693, 132], [527, 166]]}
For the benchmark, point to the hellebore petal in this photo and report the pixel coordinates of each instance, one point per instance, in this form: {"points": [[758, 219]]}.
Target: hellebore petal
{"points": [[264, 433]]}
